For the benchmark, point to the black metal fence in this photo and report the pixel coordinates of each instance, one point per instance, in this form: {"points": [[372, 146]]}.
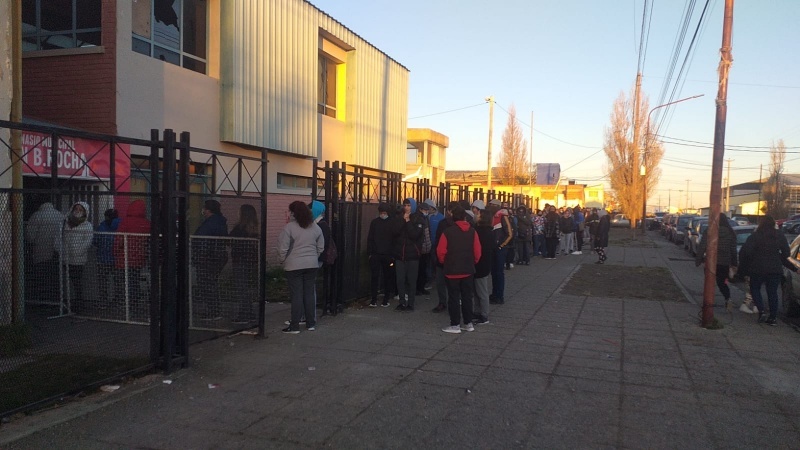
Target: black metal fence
{"points": [[87, 298], [351, 195]]}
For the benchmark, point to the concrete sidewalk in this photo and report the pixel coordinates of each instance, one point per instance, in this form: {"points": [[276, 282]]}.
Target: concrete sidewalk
{"points": [[550, 371]]}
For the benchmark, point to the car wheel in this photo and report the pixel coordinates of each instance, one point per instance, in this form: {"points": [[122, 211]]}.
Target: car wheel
{"points": [[790, 306]]}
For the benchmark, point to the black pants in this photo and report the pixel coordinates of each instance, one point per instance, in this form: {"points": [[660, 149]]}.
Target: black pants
{"points": [[422, 272], [552, 245], [579, 236], [381, 274], [722, 277], [459, 299], [76, 300]]}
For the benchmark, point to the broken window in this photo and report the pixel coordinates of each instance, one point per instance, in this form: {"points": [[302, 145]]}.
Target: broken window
{"points": [[54, 24], [174, 31]]}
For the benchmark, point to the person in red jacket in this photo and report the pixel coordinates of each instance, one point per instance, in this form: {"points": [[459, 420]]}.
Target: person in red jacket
{"points": [[132, 247], [459, 249]]}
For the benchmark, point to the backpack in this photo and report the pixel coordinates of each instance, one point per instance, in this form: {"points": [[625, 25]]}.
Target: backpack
{"points": [[331, 254]]}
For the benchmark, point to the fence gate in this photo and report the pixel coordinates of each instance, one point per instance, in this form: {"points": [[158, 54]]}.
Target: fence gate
{"points": [[87, 298]]}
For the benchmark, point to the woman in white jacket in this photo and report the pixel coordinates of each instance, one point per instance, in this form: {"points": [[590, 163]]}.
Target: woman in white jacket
{"points": [[76, 239], [299, 246]]}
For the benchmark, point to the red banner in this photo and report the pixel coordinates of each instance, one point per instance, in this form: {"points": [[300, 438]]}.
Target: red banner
{"points": [[76, 158]]}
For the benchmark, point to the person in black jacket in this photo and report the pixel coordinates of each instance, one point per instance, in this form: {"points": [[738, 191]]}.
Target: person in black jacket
{"points": [[601, 238], [551, 222], [726, 256], [459, 250], [209, 256], [379, 251], [483, 268], [407, 231], [441, 283], [762, 257]]}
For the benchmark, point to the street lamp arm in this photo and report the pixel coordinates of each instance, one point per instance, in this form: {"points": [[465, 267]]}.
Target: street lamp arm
{"points": [[661, 106]]}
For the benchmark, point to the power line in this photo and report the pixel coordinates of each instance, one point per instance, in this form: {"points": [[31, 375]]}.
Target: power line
{"points": [[712, 145], [779, 86], [448, 111], [545, 134]]}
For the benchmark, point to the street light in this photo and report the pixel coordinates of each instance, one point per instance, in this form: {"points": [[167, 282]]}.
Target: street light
{"points": [[644, 155]]}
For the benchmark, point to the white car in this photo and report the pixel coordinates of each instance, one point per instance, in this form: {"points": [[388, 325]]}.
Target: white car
{"points": [[741, 220], [621, 220]]}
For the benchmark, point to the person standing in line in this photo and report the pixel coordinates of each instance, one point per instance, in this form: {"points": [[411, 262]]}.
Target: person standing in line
{"points": [[244, 262], [503, 237], [104, 242], [601, 238], [511, 254], [209, 257], [522, 238], [43, 232], [567, 227], [407, 232], [727, 258], [379, 251], [433, 224], [332, 302], [459, 250], [762, 257], [579, 229], [537, 229], [300, 245], [592, 221], [483, 268], [551, 232], [76, 238], [131, 250], [423, 213], [441, 282]]}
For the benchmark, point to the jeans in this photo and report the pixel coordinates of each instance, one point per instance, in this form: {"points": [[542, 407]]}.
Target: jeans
{"points": [[579, 237], [772, 280], [552, 245], [523, 255], [499, 274], [481, 302], [380, 267], [568, 243], [406, 280], [302, 290], [422, 272], [539, 248], [459, 301]]}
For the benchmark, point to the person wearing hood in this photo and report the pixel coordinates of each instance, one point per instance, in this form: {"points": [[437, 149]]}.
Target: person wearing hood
{"points": [[566, 225], [209, 257], [459, 250], [76, 238], [43, 232], [522, 238], [601, 238], [407, 231], [423, 212], [104, 242], [131, 249], [551, 232], [331, 301], [379, 252]]}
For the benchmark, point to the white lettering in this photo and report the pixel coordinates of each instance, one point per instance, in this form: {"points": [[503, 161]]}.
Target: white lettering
{"points": [[37, 157]]}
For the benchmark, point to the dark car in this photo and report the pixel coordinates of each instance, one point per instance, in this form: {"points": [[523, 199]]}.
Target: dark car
{"points": [[679, 229], [790, 288]]}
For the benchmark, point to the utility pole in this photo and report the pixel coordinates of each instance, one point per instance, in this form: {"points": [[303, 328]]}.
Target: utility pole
{"points": [[686, 207], [669, 199], [530, 156], [17, 253], [715, 196], [636, 144], [760, 185], [728, 183], [490, 99]]}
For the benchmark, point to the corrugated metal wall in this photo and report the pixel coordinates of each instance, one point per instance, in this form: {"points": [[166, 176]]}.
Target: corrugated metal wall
{"points": [[269, 84]]}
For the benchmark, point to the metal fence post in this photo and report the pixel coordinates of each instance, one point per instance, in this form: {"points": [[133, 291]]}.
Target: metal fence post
{"points": [[168, 269], [262, 245], [156, 201], [184, 277]]}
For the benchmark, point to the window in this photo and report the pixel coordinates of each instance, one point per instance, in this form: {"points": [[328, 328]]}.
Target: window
{"points": [[327, 86], [53, 24], [331, 77], [286, 181], [173, 31]]}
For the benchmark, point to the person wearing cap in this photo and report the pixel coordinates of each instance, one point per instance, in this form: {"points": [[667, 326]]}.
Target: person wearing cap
{"points": [[407, 230], [423, 212], [477, 208], [379, 252], [503, 237], [459, 250]]}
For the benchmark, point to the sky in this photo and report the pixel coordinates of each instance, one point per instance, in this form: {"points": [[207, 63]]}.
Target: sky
{"points": [[566, 63]]}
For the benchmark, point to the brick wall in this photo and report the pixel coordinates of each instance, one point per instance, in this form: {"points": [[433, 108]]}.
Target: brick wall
{"points": [[75, 90]]}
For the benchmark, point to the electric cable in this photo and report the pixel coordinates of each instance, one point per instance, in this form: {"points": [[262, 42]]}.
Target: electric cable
{"points": [[448, 111]]}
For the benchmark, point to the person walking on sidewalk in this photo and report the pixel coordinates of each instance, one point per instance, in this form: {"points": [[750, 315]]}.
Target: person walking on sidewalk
{"points": [[379, 252], [601, 238], [483, 268], [762, 257], [299, 246], [459, 250], [407, 231], [727, 258], [503, 236], [580, 225], [551, 232]]}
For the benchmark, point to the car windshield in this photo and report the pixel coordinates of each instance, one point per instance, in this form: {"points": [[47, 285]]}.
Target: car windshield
{"points": [[683, 221], [742, 235]]}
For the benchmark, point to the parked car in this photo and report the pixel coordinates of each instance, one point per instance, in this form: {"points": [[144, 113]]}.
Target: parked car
{"points": [[621, 220], [781, 222], [790, 288], [679, 229], [742, 233], [691, 229], [791, 225], [741, 220], [697, 236]]}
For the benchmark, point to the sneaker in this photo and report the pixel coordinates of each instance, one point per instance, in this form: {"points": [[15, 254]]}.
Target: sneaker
{"points": [[373, 304], [455, 329], [576, 253], [311, 328], [755, 309], [289, 330], [746, 309], [511, 266], [439, 308], [396, 297], [400, 308], [480, 321], [771, 322], [468, 327], [289, 322], [385, 303]]}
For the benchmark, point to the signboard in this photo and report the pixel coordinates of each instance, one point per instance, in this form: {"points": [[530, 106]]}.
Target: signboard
{"points": [[548, 174], [76, 158]]}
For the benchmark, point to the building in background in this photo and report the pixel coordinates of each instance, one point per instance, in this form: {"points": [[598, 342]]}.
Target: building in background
{"points": [[426, 155]]}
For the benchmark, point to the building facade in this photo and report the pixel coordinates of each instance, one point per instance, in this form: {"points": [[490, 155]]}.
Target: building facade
{"points": [[426, 155]]}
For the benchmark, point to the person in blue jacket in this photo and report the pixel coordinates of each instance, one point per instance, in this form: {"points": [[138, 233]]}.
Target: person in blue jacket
{"points": [[104, 242]]}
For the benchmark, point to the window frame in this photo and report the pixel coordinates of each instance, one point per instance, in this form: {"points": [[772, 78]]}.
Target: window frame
{"points": [[280, 181], [154, 45], [73, 32]]}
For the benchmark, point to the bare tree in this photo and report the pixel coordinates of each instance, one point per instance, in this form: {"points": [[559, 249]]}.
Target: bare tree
{"points": [[514, 166], [775, 192], [625, 156]]}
